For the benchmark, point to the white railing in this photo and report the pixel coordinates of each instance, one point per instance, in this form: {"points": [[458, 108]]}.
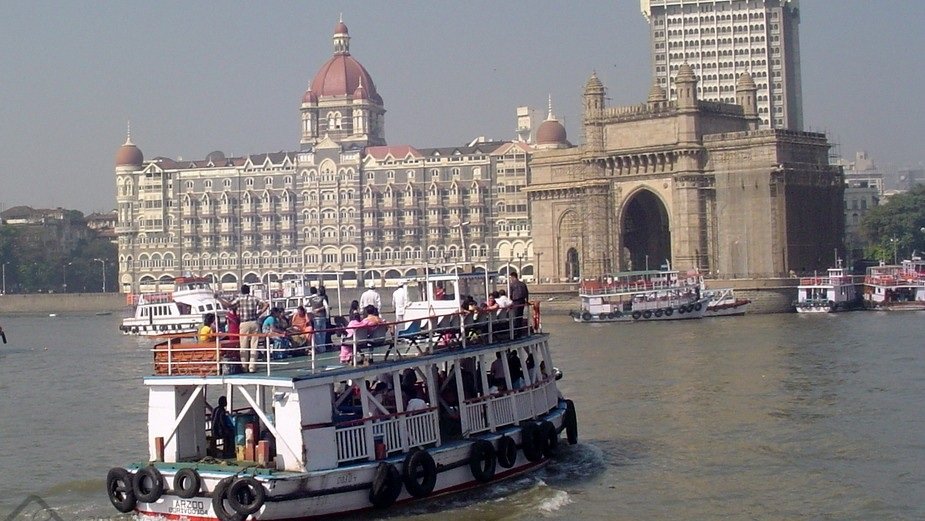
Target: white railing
{"points": [[354, 439], [490, 412]]}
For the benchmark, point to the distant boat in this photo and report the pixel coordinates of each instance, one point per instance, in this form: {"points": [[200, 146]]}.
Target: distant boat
{"points": [[52, 314], [102, 313]]}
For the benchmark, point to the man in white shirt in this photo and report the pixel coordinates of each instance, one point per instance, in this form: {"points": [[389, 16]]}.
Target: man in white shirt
{"points": [[503, 300], [399, 301], [370, 297]]}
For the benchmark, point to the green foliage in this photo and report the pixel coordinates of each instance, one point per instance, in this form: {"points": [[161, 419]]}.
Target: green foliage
{"points": [[897, 228]]}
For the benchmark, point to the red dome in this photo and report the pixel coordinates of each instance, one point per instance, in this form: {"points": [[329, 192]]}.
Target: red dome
{"points": [[129, 155], [551, 132], [340, 76], [340, 28], [309, 96]]}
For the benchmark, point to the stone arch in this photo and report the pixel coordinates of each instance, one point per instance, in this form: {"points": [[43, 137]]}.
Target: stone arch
{"points": [[645, 233]]}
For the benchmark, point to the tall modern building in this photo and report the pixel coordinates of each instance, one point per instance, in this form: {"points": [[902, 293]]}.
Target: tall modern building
{"points": [[721, 39]]}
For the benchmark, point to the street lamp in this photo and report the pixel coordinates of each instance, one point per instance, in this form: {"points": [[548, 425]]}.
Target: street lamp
{"points": [[103, 264], [462, 239], [536, 270], [66, 264], [895, 243]]}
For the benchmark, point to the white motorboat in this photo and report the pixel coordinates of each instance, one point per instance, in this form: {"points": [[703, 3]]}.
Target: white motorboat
{"points": [[466, 401], [724, 303], [178, 312]]}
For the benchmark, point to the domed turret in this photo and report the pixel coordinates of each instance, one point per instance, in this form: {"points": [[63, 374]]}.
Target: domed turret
{"points": [[309, 96], [657, 93], [128, 154], [360, 93], [340, 76], [551, 133]]}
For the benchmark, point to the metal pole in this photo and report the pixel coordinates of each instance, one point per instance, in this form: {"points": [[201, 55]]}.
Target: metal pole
{"points": [[103, 266], [4, 278]]}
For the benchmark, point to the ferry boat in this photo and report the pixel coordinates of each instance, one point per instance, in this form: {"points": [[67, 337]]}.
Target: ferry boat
{"points": [[896, 287], [178, 312], [642, 296], [835, 291], [467, 401], [724, 303]]}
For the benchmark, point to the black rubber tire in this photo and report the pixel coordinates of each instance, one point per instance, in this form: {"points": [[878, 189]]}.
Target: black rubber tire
{"points": [[647, 314], [120, 490], [636, 315], [610, 316], [186, 483], [659, 312], [698, 306], [602, 316], [246, 495], [669, 312], [507, 452], [571, 422], [386, 486], [548, 431], [482, 461], [148, 484], [586, 316], [419, 472], [531, 442], [218, 501]]}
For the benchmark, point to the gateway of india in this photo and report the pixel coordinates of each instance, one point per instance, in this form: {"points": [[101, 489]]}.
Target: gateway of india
{"points": [[692, 183]]}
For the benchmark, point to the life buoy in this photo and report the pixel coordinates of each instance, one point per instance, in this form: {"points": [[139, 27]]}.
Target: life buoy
{"points": [[532, 442], [386, 486], [120, 490], [246, 495], [571, 422], [586, 316], [698, 306], [636, 315], [218, 501], [148, 484], [419, 473], [186, 483], [647, 314], [658, 312], [507, 452], [482, 460], [548, 431], [669, 312]]}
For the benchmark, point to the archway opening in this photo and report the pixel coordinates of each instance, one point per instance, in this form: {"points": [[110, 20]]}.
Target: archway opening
{"points": [[572, 271], [646, 236]]}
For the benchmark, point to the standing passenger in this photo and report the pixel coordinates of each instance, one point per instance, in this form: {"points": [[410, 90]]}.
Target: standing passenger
{"points": [[370, 297], [519, 296], [249, 310], [399, 301]]}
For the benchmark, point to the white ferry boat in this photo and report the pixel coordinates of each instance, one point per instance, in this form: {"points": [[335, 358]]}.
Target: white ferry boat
{"points": [[642, 296], [178, 312], [835, 291], [458, 407], [724, 303], [896, 287]]}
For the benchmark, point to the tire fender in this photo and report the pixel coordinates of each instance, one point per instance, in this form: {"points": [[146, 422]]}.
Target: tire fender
{"points": [[120, 490], [482, 460]]}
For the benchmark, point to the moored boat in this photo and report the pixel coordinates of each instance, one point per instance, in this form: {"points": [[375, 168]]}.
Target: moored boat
{"points": [[724, 303], [836, 291], [464, 402], [642, 296], [896, 287], [180, 311]]}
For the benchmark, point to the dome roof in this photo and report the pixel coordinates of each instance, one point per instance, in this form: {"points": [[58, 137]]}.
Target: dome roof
{"points": [[594, 84], [746, 82], [360, 93], [309, 96], [657, 93], [341, 75], [129, 155], [685, 73], [551, 132]]}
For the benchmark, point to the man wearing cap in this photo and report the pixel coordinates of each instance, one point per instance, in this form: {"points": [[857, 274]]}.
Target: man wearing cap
{"points": [[399, 301], [370, 297]]}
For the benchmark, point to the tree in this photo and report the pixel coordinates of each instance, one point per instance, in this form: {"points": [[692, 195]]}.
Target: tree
{"points": [[897, 228]]}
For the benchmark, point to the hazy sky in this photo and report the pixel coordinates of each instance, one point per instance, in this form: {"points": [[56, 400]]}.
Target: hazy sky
{"points": [[194, 77]]}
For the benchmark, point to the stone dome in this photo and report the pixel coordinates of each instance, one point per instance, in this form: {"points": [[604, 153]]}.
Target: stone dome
{"points": [[551, 132], [746, 82], [657, 93], [685, 73], [129, 155], [341, 75], [594, 84]]}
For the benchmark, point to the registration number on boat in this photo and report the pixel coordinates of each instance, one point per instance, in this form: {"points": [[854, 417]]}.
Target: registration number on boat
{"points": [[187, 506]]}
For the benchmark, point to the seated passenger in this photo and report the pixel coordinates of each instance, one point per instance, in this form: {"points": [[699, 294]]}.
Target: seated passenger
{"points": [[207, 329]]}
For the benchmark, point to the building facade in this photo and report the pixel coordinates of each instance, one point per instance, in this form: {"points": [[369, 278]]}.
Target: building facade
{"points": [[690, 183], [344, 201], [721, 39]]}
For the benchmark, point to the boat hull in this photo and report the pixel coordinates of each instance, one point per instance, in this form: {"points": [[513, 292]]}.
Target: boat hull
{"points": [[687, 312], [335, 492]]}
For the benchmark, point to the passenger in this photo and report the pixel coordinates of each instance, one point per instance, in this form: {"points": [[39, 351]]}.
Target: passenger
{"points": [[354, 307], [320, 323], [503, 301], [416, 403], [249, 310], [516, 369], [497, 373], [439, 292], [372, 317], [399, 301], [223, 428], [300, 327], [492, 303], [346, 348], [370, 297], [207, 329], [271, 326], [231, 343], [519, 296]]}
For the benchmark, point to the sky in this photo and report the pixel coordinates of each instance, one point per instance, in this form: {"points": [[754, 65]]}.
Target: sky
{"points": [[194, 77]]}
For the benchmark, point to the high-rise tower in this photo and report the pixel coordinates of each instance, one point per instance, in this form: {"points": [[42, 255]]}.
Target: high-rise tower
{"points": [[721, 39]]}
